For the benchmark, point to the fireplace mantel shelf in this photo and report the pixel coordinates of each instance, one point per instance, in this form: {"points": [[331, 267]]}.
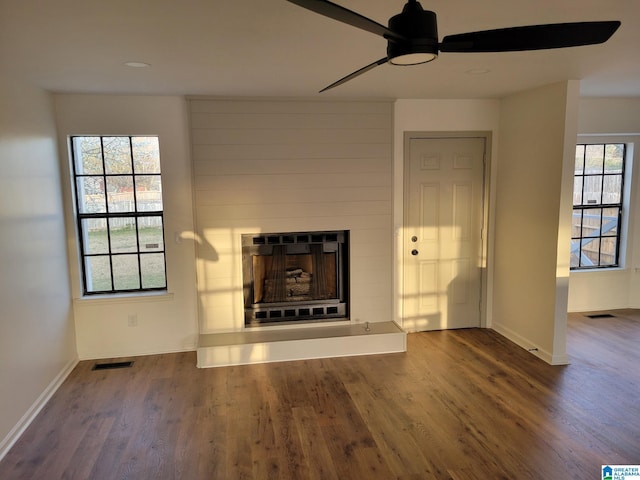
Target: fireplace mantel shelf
{"points": [[263, 346]]}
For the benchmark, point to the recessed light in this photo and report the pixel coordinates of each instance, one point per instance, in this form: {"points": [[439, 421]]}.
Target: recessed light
{"points": [[478, 71], [137, 64]]}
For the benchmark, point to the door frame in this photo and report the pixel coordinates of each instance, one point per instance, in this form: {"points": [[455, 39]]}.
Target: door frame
{"points": [[486, 221]]}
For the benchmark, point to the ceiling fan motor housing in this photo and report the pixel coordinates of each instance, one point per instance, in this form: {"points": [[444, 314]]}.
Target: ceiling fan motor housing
{"points": [[420, 28]]}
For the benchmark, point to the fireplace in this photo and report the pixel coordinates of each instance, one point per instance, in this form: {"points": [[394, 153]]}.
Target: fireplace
{"points": [[295, 277]]}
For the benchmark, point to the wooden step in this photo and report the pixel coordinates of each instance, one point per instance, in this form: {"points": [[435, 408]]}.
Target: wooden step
{"points": [[279, 345]]}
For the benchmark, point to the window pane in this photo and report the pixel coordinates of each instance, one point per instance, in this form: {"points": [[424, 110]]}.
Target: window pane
{"points": [[146, 155], [120, 194], [577, 190], [590, 250], [612, 189], [150, 234], [610, 221], [592, 190], [614, 157], [87, 155], [579, 168], [91, 195], [576, 224], [149, 193], [123, 235], [608, 247], [575, 254], [153, 271], [594, 159], [95, 239], [117, 155], [125, 272], [591, 221], [98, 273]]}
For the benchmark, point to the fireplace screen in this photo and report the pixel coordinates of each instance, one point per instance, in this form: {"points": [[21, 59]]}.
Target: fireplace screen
{"points": [[291, 277]]}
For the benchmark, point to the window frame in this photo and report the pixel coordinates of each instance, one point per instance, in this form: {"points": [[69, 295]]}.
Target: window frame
{"points": [[107, 216], [622, 205]]}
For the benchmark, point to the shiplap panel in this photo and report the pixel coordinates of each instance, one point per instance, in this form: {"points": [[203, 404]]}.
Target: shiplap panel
{"points": [[292, 151], [298, 136], [294, 209], [224, 166], [298, 224], [288, 166], [290, 121], [263, 184], [284, 106], [284, 195]]}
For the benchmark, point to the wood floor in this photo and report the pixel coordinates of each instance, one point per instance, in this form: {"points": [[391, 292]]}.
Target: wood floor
{"points": [[459, 405]]}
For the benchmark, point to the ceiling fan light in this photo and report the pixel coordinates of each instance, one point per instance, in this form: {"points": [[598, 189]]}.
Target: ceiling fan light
{"points": [[413, 58]]}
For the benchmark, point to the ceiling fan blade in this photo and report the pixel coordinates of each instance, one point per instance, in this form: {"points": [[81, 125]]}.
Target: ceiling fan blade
{"points": [[332, 10], [533, 37], [355, 74]]}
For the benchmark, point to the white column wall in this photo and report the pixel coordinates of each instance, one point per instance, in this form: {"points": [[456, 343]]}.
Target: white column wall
{"points": [[533, 208]]}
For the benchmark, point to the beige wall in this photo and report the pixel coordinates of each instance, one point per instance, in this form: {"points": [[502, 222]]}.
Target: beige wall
{"points": [[289, 166], [612, 288], [532, 212], [165, 323], [37, 342]]}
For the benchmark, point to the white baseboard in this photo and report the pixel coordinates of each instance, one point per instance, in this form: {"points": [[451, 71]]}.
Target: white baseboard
{"points": [[529, 346], [15, 433]]}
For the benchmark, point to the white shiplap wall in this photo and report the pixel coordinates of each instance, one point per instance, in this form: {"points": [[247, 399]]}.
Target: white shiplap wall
{"points": [[291, 165]]}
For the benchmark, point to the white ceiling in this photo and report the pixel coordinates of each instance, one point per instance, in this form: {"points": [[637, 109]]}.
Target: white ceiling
{"points": [[275, 48]]}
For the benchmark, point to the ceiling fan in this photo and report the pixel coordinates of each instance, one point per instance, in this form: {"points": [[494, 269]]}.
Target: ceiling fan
{"points": [[412, 35]]}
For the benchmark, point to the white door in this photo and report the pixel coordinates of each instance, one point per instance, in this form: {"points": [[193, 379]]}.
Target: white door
{"points": [[443, 233]]}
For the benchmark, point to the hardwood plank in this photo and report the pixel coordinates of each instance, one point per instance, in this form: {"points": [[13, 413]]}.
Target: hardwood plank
{"points": [[459, 405]]}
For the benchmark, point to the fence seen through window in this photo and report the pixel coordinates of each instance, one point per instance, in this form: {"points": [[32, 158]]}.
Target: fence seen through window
{"points": [[119, 211]]}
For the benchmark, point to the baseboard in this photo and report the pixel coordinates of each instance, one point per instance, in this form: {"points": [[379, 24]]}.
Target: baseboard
{"points": [[529, 346], [15, 433]]}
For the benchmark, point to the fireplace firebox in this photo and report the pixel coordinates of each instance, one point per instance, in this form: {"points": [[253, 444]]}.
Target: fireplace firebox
{"points": [[295, 277]]}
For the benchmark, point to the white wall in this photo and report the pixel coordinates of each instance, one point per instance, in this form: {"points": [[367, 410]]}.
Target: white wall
{"points": [[437, 116], [166, 323], [612, 288], [289, 166], [533, 209], [37, 342]]}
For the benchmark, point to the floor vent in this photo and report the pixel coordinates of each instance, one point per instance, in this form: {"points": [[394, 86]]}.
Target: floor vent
{"points": [[111, 366], [600, 315]]}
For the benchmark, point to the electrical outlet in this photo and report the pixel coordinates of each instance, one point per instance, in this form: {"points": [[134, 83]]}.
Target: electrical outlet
{"points": [[133, 320]]}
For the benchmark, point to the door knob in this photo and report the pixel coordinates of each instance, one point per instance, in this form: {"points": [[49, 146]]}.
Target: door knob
{"points": [[414, 252]]}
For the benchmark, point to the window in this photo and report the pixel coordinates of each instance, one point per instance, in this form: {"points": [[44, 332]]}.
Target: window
{"points": [[597, 205], [118, 195]]}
